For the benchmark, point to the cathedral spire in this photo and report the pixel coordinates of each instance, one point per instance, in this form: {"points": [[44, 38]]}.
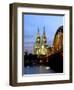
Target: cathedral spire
{"points": [[38, 34], [44, 40], [44, 30], [38, 37], [37, 43], [40, 43], [38, 30]]}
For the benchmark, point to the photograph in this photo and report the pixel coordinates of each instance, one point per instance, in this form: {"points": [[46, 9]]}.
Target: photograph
{"points": [[43, 43], [40, 44]]}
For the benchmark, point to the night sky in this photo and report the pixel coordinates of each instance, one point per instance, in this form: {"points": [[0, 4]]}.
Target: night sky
{"points": [[33, 22]]}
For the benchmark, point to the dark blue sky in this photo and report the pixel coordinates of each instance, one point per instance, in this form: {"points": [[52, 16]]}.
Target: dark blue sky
{"points": [[33, 22]]}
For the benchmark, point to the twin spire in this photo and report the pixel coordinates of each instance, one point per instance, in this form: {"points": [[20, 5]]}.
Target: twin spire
{"points": [[38, 38], [40, 46], [43, 31]]}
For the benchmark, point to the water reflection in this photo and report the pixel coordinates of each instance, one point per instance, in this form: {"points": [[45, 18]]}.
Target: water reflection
{"points": [[37, 69]]}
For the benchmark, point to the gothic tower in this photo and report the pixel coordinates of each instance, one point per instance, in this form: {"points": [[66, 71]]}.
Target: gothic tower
{"points": [[44, 39], [40, 46], [43, 49], [37, 43]]}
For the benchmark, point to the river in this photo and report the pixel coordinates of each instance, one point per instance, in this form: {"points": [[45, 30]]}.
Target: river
{"points": [[37, 70]]}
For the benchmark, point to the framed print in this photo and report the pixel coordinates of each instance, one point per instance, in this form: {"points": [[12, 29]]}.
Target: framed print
{"points": [[40, 44]]}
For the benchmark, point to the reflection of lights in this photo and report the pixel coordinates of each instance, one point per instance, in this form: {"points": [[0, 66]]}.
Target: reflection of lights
{"points": [[47, 60], [40, 61], [47, 68], [28, 66]]}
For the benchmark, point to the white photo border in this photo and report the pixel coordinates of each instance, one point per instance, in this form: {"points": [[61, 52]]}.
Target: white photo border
{"points": [[43, 77]]}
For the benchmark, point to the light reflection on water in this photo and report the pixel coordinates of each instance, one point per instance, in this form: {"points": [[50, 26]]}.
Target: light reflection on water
{"points": [[37, 70]]}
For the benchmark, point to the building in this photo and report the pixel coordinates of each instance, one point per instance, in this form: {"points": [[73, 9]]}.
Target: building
{"points": [[40, 46], [37, 44]]}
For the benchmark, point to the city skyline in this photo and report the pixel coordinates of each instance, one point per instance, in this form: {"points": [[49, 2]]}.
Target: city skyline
{"points": [[34, 22]]}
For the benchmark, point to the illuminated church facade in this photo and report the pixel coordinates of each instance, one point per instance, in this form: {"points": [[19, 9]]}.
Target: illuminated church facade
{"points": [[40, 46]]}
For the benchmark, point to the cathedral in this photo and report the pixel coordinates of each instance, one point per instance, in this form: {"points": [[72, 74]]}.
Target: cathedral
{"points": [[40, 46]]}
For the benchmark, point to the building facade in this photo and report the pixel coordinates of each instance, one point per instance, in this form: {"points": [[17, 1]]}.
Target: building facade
{"points": [[40, 46]]}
